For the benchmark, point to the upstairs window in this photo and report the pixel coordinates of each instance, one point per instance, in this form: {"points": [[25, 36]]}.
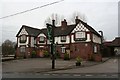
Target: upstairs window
{"points": [[80, 36], [63, 38], [42, 39], [23, 39]]}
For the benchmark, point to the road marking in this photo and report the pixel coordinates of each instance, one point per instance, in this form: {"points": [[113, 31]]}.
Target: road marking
{"points": [[65, 74], [46, 74], [76, 75], [88, 75], [55, 74], [115, 75], [104, 75]]}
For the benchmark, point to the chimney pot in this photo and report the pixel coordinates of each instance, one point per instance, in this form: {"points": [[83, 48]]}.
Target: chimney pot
{"points": [[77, 20], [63, 24]]}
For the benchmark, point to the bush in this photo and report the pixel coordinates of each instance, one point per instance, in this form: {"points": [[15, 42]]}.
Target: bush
{"points": [[78, 59], [33, 54], [46, 54], [66, 56]]}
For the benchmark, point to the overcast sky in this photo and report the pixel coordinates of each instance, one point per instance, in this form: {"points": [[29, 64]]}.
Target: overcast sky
{"points": [[100, 14]]}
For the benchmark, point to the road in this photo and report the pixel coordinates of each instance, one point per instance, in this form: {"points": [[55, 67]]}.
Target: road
{"points": [[108, 69]]}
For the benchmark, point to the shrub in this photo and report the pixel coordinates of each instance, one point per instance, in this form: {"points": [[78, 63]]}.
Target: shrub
{"points": [[78, 59], [46, 54], [66, 56], [33, 54]]}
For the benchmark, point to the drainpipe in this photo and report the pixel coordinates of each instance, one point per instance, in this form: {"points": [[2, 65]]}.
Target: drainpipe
{"points": [[101, 41]]}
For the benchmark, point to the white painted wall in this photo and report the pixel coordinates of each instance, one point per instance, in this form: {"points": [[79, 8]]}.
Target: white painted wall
{"points": [[72, 39], [96, 39], [41, 34], [23, 31], [32, 42], [80, 27], [88, 38], [26, 43], [58, 40]]}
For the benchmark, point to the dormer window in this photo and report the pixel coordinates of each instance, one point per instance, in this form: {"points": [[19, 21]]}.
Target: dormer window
{"points": [[42, 39], [23, 38], [80, 36], [63, 38]]}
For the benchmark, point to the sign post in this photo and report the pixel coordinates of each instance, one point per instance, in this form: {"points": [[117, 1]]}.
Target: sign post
{"points": [[50, 32]]}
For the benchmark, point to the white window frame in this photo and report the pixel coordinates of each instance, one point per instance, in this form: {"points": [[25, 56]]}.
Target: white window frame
{"points": [[23, 37], [95, 49], [42, 38], [80, 34], [63, 38], [63, 49]]}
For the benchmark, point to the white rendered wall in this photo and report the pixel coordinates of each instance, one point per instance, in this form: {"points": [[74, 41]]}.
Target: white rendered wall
{"points": [[32, 41], [23, 31], [58, 40], [26, 43], [96, 39]]}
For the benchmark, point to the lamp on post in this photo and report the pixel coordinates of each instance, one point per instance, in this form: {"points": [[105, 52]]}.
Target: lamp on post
{"points": [[101, 36]]}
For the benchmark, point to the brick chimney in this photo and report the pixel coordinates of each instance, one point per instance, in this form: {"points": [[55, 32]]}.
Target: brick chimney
{"points": [[63, 24], [77, 20]]}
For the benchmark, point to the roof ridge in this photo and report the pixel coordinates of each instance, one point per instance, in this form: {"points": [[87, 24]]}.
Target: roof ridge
{"points": [[30, 27]]}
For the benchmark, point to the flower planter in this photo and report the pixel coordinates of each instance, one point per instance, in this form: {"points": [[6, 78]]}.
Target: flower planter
{"points": [[78, 64]]}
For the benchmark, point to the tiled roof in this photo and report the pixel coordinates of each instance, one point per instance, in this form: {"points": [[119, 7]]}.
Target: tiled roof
{"points": [[116, 42], [30, 30], [61, 32], [108, 43], [58, 31]]}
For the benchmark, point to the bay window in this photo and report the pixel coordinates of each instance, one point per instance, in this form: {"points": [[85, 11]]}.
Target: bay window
{"points": [[80, 36], [42, 39], [23, 38]]}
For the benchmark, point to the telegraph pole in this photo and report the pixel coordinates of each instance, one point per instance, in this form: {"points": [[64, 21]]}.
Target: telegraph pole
{"points": [[50, 31]]}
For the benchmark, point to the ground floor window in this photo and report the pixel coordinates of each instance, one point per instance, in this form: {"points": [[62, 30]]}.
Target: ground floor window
{"points": [[95, 49], [63, 49], [22, 49]]}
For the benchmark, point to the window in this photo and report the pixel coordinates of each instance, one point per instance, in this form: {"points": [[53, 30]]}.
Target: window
{"points": [[42, 39], [63, 49], [23, 38], [63, 38], [22, 49], [80, 36], [95, 49]]}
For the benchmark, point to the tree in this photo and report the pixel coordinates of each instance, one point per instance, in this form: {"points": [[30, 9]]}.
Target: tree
{"points": [[54, 16], [8, 47], [80, 16]]}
